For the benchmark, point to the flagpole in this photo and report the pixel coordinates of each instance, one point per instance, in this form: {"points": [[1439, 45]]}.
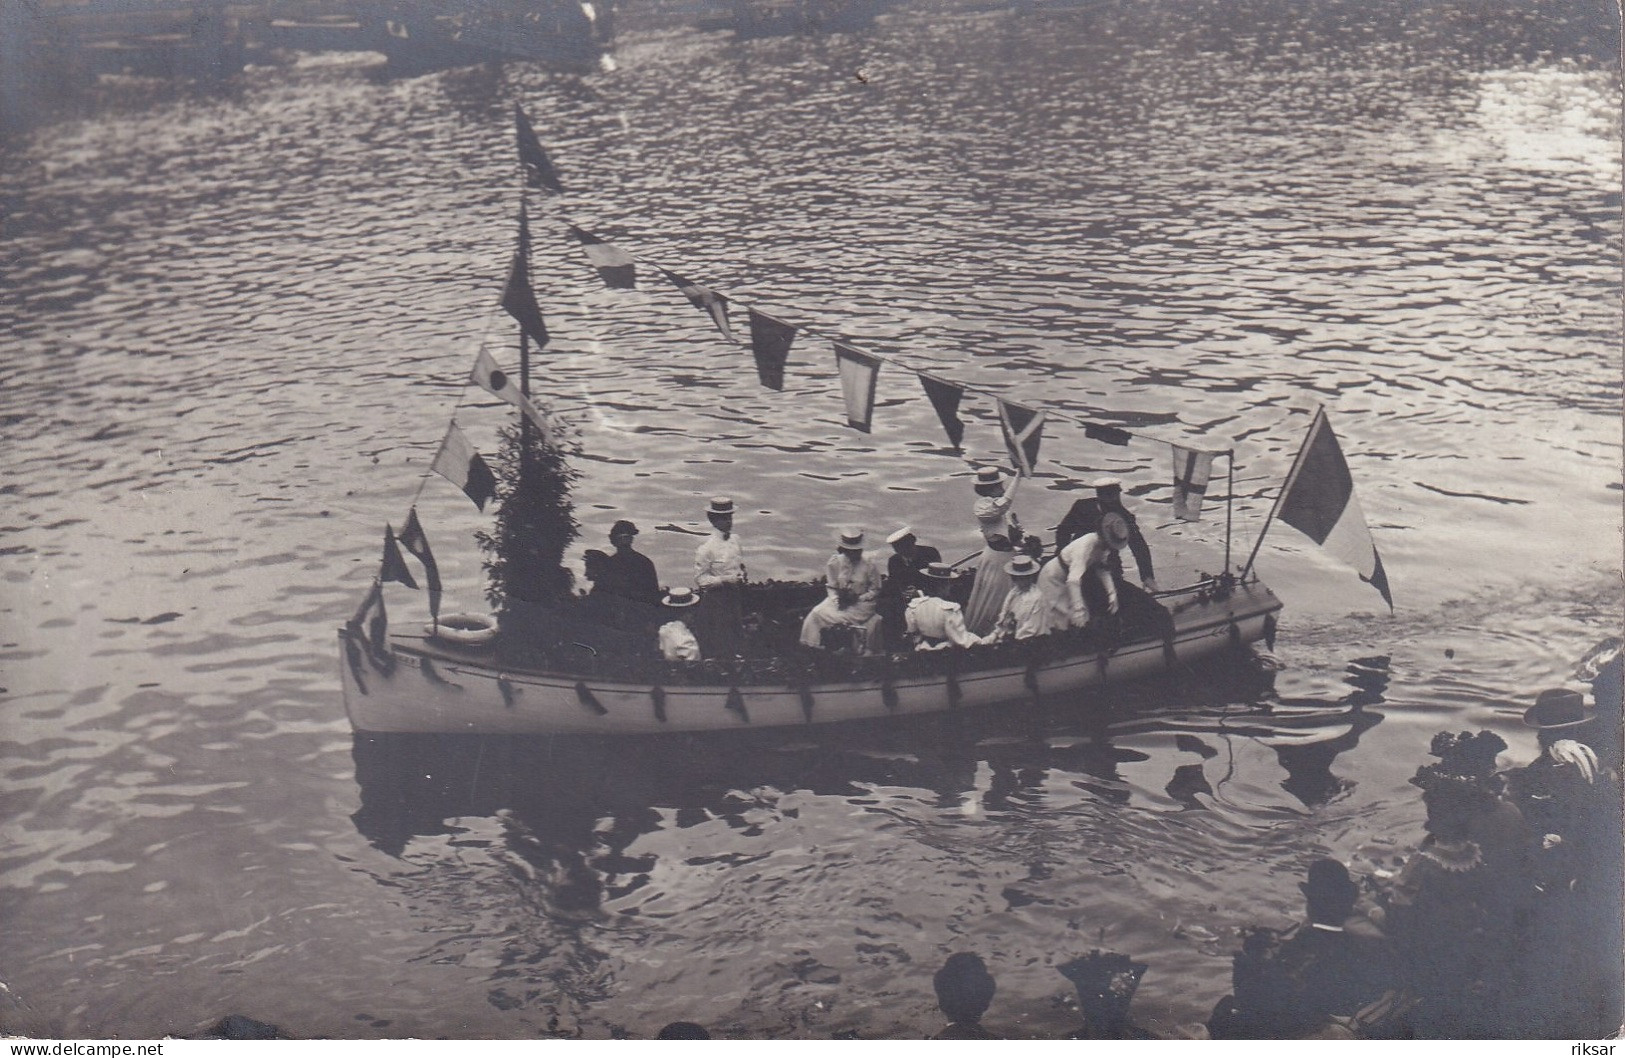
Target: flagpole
{"points": [[1229, 504], [1291, 476]]}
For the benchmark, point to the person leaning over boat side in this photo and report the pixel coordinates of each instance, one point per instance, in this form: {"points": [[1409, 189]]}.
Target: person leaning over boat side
{"points": [[677, 642], [851, 585], [903, 577], [934, 621], [719, 574], [1084, 518], [1062, 580], [1025, 612]]}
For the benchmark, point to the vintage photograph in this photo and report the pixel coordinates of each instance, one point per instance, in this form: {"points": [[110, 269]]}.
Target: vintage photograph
{"points": [[811, 520]]}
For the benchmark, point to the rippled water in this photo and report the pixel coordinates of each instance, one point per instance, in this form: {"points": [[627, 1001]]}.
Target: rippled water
{"points": [[238, 324]]}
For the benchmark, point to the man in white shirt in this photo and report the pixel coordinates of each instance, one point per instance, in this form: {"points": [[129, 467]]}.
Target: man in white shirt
{"points": [[933, 621], [677, 643], [1062, 578], [1025, 612], [851, 585], [719, 573]]}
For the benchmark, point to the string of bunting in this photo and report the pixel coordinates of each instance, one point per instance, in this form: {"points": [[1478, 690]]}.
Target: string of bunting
{"points": [[772, 337]]}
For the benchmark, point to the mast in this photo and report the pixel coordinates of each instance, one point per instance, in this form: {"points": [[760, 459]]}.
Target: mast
{"points": [[1229, 504]]}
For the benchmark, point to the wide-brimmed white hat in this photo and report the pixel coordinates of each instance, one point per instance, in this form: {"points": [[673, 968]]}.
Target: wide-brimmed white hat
{"points": [[1114, 530], [851, 537]]}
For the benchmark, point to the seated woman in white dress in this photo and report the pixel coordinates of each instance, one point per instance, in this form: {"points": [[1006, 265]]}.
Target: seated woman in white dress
{"points": [[852, 588]]}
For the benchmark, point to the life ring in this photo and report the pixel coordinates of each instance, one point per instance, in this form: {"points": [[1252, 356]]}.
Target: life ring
{"points": [[464, 629]]}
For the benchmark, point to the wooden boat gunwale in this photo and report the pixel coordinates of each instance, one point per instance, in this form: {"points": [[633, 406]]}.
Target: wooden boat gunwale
{"points": [[557, 702]]}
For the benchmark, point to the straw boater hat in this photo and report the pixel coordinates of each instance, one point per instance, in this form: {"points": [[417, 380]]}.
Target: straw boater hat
{"points": [[720, 505], [1022, 566], [677, 598], [1114, 530], [939, 571], [988, 480], [1558, 707], [905, 533], [851, 539]]}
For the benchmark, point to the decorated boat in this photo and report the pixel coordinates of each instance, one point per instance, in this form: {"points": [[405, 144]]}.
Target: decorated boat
{"points": [[552, 662]]}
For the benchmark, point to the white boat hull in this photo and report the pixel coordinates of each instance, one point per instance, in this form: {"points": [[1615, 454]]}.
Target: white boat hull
{"points": [[427, 687]]}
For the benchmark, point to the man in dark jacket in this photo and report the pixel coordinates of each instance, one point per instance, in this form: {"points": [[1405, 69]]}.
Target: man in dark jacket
{"points": [[625, 587], [1084, 518], [904, 570]]}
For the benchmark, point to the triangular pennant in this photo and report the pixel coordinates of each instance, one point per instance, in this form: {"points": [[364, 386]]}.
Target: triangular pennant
{"points": [[519, 299], [394, 566], [1023, 432], [944, 397], [616, 267], [1192, 469], [460, 464], [770, 339], [539, 172], [416, 541], [1318, 500], [708, 301], [497, 382], [1106, 434], [859, 372]]}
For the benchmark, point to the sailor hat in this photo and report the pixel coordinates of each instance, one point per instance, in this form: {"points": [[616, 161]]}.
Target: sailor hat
{"points": [[1103, 484], [905, 533]]}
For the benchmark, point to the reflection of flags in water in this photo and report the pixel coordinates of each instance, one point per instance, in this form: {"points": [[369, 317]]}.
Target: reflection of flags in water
{"points": [[371, 622], [616, 267], [1106, 434], [707, 301], [539, 172], [519, 299], [416, 541], [1318, 500], [945, 397], [859, 372], [394, 566], [497, 382], [1192, 468], [1023, 432], [770, 339], [459, 464]]}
